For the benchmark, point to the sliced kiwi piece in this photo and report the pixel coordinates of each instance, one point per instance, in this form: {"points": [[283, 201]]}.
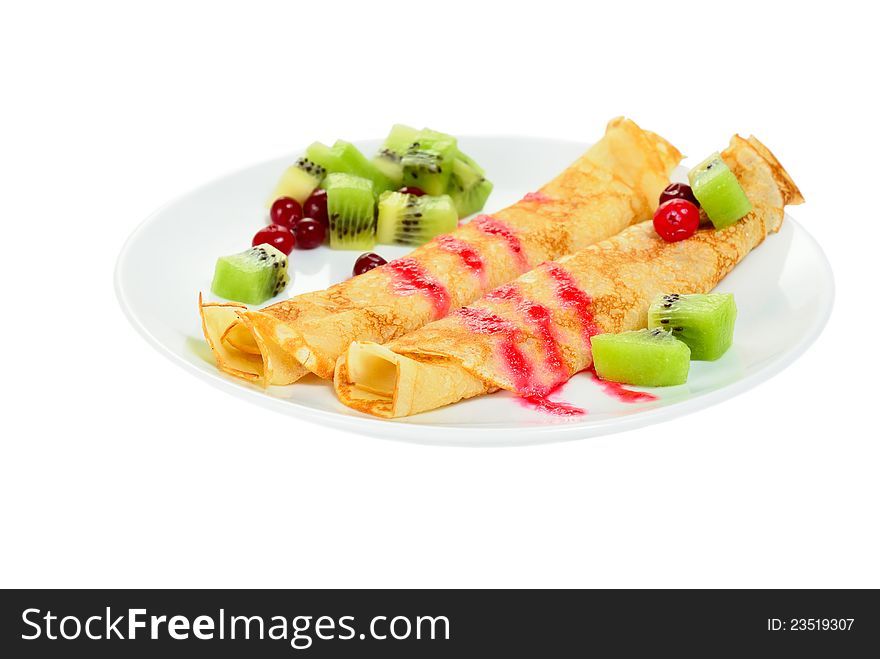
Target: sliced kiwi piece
{"points": [[344, 158], [298, 181], [719, 192], [351, 209], [389, 158], [468, 187], [406, 219], [465, 171], [647, 358], [704, 322], [252, 276], [427, 163], [471, 201]]}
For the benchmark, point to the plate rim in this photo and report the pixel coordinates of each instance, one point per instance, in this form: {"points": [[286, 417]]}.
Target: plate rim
{"points": [[464, 435]]}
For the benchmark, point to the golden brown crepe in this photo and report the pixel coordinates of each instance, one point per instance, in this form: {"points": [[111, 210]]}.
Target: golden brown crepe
{"points": [[613, 185], [533, 334]]}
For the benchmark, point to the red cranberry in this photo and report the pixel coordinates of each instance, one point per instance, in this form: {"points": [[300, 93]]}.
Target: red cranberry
{"points": [[366, 262], [676, 220], [309, 233], [286, 211], [679, 191], [280, 237], [315, 206], [413, 190]]}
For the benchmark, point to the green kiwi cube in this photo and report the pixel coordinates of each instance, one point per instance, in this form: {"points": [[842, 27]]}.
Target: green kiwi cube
{"points": [[464, 174], [427, 163], [468, 185], [704, 322], [646, 358], [469, 197], [325, 156], [351, 211], [472, 200], [389, 158], [719, 192], [252, 276], [360, 166], [298, 181], [344, 158], [406, 219], [470, 162]]}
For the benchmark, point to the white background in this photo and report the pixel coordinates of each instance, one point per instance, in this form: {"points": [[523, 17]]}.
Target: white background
{"points": [[119, 469]]}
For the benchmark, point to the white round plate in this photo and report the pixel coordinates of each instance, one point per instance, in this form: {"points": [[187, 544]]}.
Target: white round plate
{"points": [[784, 292]]}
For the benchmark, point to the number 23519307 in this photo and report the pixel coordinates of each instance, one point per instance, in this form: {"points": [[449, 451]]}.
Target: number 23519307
{"points": [[810, 624]]}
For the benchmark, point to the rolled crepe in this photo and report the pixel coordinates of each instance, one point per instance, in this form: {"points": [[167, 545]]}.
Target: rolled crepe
{"points": [[533, 334], [613, 185]]}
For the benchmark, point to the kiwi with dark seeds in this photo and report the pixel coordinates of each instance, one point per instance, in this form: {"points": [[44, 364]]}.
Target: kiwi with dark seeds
{"points": [[717, 189], [427, 163], [252, 276], [468, 187], [344, 158], [298, 181], [389, 158], [351, 210], [406, 219], [703, 321]]}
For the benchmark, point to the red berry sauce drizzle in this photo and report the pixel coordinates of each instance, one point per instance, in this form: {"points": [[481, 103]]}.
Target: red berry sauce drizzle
{"points": [[410, 278], [541, 322], [523, 373], [538, 197], [555, 407], [618, 391], [494, 227], [572, 297], [469, 256]]}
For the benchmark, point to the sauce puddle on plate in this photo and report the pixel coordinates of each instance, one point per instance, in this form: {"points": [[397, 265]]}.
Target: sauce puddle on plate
{"points": [[621, 393]]}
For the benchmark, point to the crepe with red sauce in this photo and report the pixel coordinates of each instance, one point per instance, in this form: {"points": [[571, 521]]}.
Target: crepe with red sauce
{"points": [[613, 185], [533, 334]]}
